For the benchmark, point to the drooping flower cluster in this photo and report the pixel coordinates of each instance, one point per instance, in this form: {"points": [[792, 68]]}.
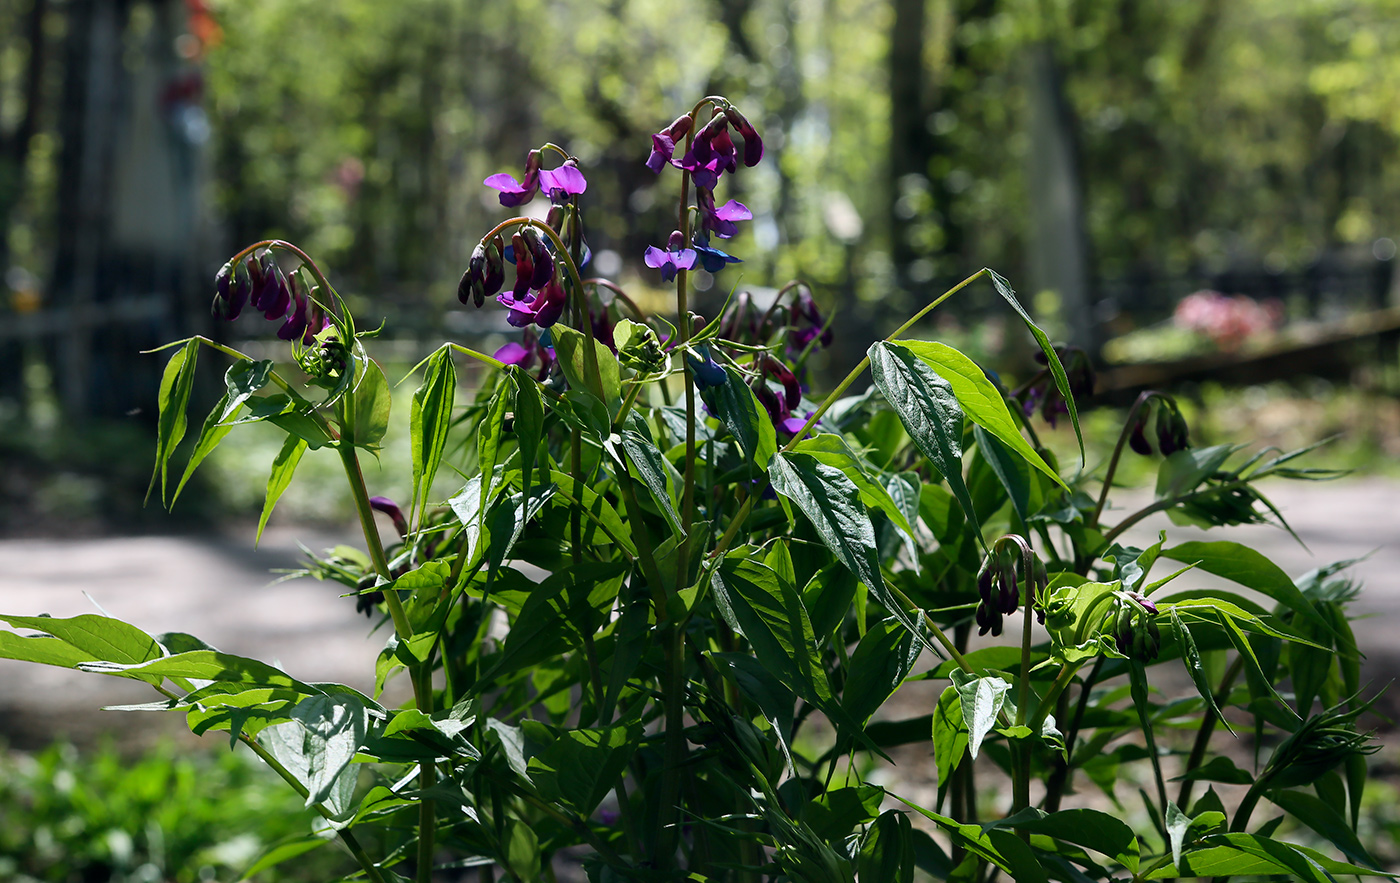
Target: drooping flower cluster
{"points": [[258, 281], [710, 154], [1042, 393], [1171, 430], [1135, 628], [999, 585], [538, 296]]}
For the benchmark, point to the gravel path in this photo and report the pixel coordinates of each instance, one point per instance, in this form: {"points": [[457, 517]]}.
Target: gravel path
{"points": [[219, 589]]}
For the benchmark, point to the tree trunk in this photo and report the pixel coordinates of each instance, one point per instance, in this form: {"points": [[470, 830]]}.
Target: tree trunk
{"points": [[1059, 244]]}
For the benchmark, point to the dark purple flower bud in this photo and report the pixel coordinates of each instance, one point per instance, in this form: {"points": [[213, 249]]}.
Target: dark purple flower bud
{"points": [[561, 183], [663, 143], [777, 410], [277, 298], [316, 321], [986, 582], [541, 258], [516, 193], [753, 145], [1171, 431], [472, 287], [988, 619], [390, 508], [1010, 597], [495, 266], [805, 308], [524, 265], [603, 328], [1146, 602], [792, 391], [295, 326], [723, 146], [708, 373], [1137, 439]]}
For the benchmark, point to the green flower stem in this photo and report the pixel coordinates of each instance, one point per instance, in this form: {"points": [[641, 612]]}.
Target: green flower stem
{"points": [[1142, 399], [1137, 677], [1144, 873], [1021, 769], [1062, 681], [1054, 789], [1162, 505], [1207, 729], [427, 777]]}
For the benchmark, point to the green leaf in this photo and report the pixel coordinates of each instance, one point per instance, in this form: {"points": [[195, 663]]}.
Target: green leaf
{"points": [[1184, 470], [982, 699], [1191, 658], [488, 447], [835, 813], [242, 379], [580, 766], [745, 417], [1013, 472], [883, 659], [1326, 821], [1177, 825], [604, 384], [284, 465], [372, 399], [175, 386], [1091, 829], [1243, 565], [600, 513], [98, 637], [887, 852], [283, 852], [769, 613], [827, 597], [979, 399], [831, 502], [1052, 358], [930, 413], [1219, 769], [832, 450], [529, 423], [949, 736], [648, 462], [334, 726], [430, 417], [208, 665], [43, 650]]}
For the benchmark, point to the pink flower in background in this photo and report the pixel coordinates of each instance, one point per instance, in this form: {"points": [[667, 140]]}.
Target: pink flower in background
{"points": [[1228, 320]]}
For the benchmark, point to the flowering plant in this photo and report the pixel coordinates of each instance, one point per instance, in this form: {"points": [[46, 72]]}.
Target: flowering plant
{"points": [[722, 594]]}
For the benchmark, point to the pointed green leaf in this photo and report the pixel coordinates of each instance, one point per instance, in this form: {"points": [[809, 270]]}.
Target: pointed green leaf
{"points": [[831, 502], [744, 416], [930, 413], [979, 399], [430, 417], [604, 383], [982, 700], [1249, 568], [284, 465], [175, 386]]}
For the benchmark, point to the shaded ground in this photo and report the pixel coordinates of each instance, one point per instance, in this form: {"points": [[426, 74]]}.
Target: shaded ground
{"points": [[219, 589]]}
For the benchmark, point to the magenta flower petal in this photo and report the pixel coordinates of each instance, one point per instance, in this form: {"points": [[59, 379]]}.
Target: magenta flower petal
{"points": [[513, 354], [734, 211], [566, 178]]}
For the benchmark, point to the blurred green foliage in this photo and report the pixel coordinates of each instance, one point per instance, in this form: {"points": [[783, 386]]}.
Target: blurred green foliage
{"points": [[165, 815]]}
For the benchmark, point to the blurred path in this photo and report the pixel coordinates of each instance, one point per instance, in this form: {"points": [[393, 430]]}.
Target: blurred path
{"points": [[219, 589], [216, 588]]}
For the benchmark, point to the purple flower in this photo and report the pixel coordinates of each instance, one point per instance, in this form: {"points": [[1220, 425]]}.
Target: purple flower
{"points": [[771, 367], [542, 308], [674, 259], [390, 508], [712, 259], [516, 193], [663, 143], [807, 322], [753, 145], [720, 221], [294, 328], [561, 183]]}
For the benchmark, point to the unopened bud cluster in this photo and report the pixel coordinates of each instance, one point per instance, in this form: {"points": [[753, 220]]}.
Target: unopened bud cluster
{"points": [[257, 280], [1000, 582], [1135, 628], [1172, 432]]}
